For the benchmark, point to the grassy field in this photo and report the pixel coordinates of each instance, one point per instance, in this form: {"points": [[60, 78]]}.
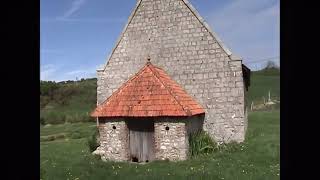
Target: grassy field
{"points": [[68, 102], [64, 151], [257, 158], [261, 83]]}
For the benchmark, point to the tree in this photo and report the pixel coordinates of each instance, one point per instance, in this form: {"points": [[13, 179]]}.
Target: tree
{"points": [[271, 65]]}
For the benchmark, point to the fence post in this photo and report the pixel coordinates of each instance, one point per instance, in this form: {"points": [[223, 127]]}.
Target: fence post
{"points": [[251, 108], [269, 100]]}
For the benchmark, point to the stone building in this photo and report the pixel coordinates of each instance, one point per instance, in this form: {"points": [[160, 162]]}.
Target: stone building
{"points": [[167, 76]]}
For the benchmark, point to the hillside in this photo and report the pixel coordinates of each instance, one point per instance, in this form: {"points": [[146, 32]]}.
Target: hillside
{"points": [[72, 101], [69, 101], [262, 82]]}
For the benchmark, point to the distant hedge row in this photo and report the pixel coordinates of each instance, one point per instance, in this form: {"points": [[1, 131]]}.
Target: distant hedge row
{"points": [[59, 118]]}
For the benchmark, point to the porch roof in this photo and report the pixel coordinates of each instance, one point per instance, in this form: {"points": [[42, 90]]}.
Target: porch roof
{"points": [[149, 93]]}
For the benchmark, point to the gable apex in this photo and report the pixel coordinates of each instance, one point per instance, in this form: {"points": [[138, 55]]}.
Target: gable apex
{"points": [[193, 11]]}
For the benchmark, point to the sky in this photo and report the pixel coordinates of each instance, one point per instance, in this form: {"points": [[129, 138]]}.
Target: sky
{"points": [[77, 36]]}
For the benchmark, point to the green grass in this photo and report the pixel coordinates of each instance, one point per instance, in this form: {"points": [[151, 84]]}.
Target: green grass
{"points": [[258, 157], [82, 130], [79, 100], [65, 154], [261, 83]]}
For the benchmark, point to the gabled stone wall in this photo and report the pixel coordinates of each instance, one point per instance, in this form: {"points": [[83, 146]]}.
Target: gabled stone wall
{"points": [[181, 43]]}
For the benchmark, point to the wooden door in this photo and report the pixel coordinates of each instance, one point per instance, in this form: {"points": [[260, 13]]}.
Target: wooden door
{"points": [[141, 137]]}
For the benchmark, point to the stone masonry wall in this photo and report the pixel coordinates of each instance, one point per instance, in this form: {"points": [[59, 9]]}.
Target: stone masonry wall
{"points": [[114, 143], [170, 144], [178, 42]]}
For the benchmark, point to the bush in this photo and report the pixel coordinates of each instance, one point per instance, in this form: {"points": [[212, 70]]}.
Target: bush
{"points": [[200, 143], [46, 138], [52, 137], [55, 118], [68, 118], [230, 147], [75, 118], [59, 136], [93, 141], [87, 118], [75, 135]]}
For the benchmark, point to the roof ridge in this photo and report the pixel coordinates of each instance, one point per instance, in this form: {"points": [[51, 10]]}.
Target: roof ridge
{"points": [[156, 75]]}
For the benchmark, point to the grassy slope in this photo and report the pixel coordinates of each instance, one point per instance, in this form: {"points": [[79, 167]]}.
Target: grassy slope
{"points": [[85, 129], [259, 158], [261, 83], [81, 103]]}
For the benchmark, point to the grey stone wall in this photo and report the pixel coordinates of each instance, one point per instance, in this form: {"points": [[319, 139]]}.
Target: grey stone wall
{"points": [[114, 143], [170, 144], [177, 41]]}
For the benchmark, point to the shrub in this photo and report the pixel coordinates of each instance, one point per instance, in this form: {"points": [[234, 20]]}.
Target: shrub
{"points": [[69, 118], [230, 147], [46, 138], [55, 118], [75, 135], [86, 118], [59, 136], [93, 141], [52, 137], [200, 143], [75, 118]]}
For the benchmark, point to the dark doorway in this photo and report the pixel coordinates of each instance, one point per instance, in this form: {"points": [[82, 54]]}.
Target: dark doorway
{"points": [[141, 137]]}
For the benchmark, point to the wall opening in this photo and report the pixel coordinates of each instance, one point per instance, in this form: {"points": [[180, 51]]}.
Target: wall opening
{"points": [[134, 159]]}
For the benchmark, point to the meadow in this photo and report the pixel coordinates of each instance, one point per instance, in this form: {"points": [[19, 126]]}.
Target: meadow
{"points": [[256, 158], [65, 154]]}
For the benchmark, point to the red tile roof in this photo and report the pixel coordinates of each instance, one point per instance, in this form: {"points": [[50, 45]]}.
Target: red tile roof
{"points": [[149, 93]]}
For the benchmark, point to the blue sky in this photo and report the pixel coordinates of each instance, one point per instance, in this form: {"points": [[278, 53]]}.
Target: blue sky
{"points": [[76, 36]]}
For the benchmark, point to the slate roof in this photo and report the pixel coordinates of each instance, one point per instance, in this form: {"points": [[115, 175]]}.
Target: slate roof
{"points": [[149, 93]]}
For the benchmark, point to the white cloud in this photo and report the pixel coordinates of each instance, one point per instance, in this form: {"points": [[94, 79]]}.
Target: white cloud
{"points": [[249, 27], [50, 72], [75, 6]]}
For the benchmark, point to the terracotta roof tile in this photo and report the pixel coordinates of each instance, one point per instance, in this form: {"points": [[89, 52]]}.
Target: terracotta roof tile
{"points": [[149, 93]]}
